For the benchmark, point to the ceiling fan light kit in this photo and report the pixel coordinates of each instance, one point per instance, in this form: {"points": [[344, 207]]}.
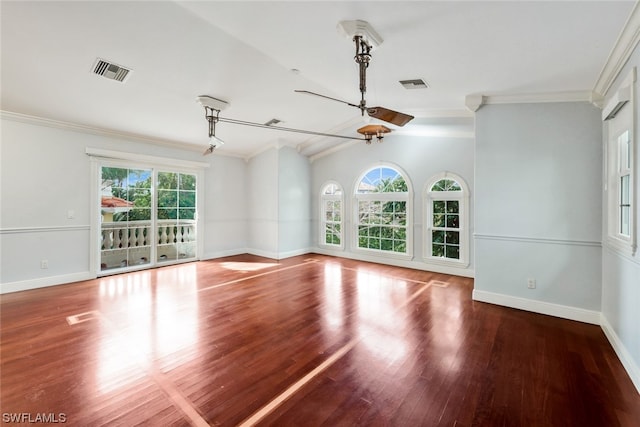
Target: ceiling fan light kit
{"points": [[370, 131]]}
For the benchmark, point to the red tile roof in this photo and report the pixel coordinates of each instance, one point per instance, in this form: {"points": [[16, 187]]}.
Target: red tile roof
{"points": [[115, 202]]}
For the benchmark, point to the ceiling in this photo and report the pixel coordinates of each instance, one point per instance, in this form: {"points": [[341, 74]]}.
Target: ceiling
{"points": [[246, 53]]}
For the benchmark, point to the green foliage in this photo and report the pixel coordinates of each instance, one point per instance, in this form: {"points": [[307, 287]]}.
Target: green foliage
{"points": [[176, 196]]}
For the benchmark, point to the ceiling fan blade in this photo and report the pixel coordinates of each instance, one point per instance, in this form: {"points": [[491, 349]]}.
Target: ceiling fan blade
{"points": [[390, 116], [327, 97]]}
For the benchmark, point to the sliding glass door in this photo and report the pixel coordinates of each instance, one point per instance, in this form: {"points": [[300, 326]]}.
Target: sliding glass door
{"points": [[147, 217], [176, 216]]}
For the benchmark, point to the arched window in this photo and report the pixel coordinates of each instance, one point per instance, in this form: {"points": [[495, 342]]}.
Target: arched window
{"points": [[331, 212], [447, 217], [383, 211]]}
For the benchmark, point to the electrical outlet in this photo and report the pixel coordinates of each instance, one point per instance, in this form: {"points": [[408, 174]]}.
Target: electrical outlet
{"points": [[44, 263], [531, 283]]}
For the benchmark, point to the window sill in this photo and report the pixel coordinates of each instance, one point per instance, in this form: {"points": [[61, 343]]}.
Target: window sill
{"points": [[446, 261], [384, 254], [623, 247]]}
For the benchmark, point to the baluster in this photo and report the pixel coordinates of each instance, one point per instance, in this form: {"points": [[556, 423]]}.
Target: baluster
{"points": [[172, 235], [139, 237], [107, 241], [116, 238], [131, 242], [163, 235]]}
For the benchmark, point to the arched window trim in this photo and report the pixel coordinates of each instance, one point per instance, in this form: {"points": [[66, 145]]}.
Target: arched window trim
{"points": [[406, 196], [323, 217], [463, 197]]}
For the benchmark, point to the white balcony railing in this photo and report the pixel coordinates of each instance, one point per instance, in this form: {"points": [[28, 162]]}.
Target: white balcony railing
{"points": [[175, 239]]}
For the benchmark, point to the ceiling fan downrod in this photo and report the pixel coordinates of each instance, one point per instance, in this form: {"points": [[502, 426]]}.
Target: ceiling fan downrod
{"points": [[362, 58]]}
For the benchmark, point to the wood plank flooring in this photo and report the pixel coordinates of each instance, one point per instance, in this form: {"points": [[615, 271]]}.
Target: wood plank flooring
{"points": [[307, 341]]}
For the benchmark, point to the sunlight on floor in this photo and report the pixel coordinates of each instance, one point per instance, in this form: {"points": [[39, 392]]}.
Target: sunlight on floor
{"points": [[247, 266]]}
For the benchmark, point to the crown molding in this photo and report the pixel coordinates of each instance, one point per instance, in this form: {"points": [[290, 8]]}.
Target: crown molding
{"points": [[475, 101], [93, 130], [620, 54]]}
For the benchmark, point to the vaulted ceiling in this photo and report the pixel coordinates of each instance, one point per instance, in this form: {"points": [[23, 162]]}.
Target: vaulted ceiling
{"points": [[255, 54]]}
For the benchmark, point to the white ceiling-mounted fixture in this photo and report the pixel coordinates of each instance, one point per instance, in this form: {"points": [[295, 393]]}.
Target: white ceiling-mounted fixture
{"points": [[213, 103], [110, 70], [360, 28]]}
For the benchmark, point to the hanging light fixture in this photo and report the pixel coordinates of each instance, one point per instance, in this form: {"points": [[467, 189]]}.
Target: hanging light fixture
{"points": [[370, 131], [212, 107]]}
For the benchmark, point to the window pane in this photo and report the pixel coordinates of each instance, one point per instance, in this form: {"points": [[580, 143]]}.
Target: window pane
{"points": [[625, 195], [167, 180], [400, 234], [453, 252], [439, 206], [188, 213], [437, 250], [167, 198], [187, 199], [452, 221], [187, 182], [374, 243], [438, 220], [139, 215], [452, 206], [453, 237], [167, 213], [446, 185], [624, 148], [382, 180], [386, 244], [624, 220], [437, 236], [363, 230], [399, 246]]}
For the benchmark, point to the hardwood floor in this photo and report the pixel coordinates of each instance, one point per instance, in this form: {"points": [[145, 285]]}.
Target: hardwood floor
{"points": [[310, 340]]}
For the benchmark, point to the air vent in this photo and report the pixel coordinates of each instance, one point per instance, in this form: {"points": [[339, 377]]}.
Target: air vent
{"points": [[110, 70], [414, 84], [273, 122]]}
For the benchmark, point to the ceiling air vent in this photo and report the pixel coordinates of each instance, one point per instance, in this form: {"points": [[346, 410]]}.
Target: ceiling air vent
{"points": [[414, 84], [273, 122], [110, 70]]}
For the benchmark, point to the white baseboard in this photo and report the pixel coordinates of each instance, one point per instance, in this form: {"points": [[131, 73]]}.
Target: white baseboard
{"points": [[621, 351], [417, 265], [278, 255], [222, 254], [25, 285], [557, 310]]}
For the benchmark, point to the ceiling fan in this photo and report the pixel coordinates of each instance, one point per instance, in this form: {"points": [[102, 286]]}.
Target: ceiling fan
{"points": [[364, 37]]}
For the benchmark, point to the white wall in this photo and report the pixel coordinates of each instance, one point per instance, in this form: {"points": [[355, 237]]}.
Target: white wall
{"points": [[44, 173], [538, 207], [226, 221], [421, 158], [294, 209], [278, 203], [262, 203], [621, 274]]}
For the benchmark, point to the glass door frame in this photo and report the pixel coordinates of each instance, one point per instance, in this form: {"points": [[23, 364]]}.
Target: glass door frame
{"points": [[105, 158]]}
